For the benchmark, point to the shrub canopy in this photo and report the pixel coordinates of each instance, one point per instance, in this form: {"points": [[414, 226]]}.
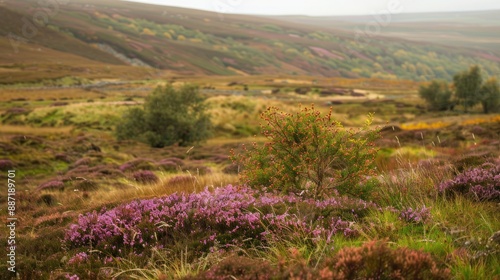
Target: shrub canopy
{"points": [[169, 116], [311, 154]]}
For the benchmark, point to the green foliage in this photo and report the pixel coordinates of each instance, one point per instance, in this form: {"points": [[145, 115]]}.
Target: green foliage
{"points": [[437, 95], [311, 154], [490, 96], [467, 86], [169, 116]]}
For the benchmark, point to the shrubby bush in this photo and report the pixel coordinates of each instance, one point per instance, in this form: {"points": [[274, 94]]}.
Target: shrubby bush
{"points": [[438, 95], [145, 177], [310, 154], [375, 260], [480, 183], [169, 117], [225, 217]]}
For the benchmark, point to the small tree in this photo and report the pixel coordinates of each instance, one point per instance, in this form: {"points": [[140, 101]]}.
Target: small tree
{"points": [[437, 94], [310, 154], [490, 96], [168, 117], [467, 86]]}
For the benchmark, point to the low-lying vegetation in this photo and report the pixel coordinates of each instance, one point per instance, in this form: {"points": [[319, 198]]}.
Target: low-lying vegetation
{"points": [[381, 202]]}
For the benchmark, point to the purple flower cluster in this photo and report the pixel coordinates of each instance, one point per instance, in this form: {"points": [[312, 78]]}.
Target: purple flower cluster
{"points": [[71, 277], [79, 258], [416, 215], [228, 216], [481, 183]]}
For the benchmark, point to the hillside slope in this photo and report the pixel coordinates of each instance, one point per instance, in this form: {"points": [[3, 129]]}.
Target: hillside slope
{"points": [[478, 30], [192, 42]]}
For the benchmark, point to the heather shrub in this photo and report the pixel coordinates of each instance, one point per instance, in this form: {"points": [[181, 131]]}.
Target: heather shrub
{"points": [[375, 260], [310, 154], [145, 177], [416, 216], [225, 217], [480, 183], [169, 117]]}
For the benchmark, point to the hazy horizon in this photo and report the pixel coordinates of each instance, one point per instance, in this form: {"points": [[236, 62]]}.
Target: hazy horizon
{"points": [[328, 8]]}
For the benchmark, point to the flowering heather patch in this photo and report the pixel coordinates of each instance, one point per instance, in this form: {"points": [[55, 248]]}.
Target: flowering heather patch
{"points": [[79, 258], [72, 277], [225, 216], [481, 183], [416, 215], [145, 177]]}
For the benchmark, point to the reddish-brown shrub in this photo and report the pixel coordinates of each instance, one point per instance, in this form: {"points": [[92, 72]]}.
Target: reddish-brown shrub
{"points": [[375, 260]]}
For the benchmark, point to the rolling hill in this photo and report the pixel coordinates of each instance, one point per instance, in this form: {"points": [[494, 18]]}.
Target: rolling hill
{"points": [[96, 39]]}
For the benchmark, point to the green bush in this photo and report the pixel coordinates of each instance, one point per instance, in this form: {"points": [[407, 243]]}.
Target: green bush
{"points": [[467, 87], [169, 116], [437, 95], [310, 154], [490, 96]]}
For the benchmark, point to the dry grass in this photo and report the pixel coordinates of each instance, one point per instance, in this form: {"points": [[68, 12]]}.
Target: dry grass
{"points": [[113, 192], [37, 131]]}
